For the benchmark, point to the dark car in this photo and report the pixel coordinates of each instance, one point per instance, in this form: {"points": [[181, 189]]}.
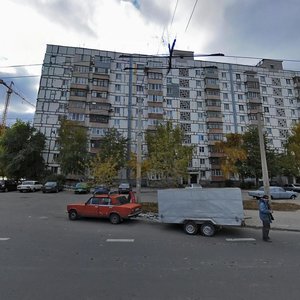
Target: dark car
{"points": [[124, 188], [295, 187], [101, 190], [52, 187], [8, 185], [81, 188]]}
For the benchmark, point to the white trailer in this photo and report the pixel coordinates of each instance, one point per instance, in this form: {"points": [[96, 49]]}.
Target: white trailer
{"points": [[206, 209]]}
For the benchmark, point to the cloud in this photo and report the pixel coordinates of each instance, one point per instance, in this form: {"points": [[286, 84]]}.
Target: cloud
{"points": [[76, 15]]}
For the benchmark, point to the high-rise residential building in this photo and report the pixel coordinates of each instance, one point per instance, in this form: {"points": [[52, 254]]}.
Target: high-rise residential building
{"points": [[103, 89]]}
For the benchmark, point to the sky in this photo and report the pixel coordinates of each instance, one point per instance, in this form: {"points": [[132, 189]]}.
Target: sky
{"points": [[237, 28]]}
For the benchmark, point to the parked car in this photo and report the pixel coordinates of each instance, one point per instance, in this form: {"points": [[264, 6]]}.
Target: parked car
{"points": [[114, 207], [8, 185], [276, 192], [29, 186], [81, 188], [124, 188], [295, 187], [101, 190], [52, 187]]}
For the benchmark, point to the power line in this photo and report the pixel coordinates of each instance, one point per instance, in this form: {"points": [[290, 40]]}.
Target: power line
{"points": [[20, 76], [191, 16], [19, 66]]}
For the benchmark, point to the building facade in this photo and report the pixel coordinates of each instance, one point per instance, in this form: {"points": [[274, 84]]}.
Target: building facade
{"points": [[103, 89]]}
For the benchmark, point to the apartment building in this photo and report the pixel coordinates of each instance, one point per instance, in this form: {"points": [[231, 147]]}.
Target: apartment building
{"points": [[104, 89]]}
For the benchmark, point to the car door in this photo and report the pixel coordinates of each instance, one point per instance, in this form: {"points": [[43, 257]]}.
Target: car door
{"points": [[91, 208], [105, 207]]}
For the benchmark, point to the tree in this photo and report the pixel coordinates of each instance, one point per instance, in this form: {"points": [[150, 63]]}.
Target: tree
{"points": [[103, 172], [290, 160], [251, 167], [72, 141], [234, 153], [167, 154], [110, 159], [21, 151], [113, 145]]}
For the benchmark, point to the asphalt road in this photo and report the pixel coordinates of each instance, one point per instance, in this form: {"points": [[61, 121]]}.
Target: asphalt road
{"points": [[43, 255]]}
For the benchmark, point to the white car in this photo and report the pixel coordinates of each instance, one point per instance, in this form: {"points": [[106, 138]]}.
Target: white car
{"points": [[29, 186], [276, 192]]}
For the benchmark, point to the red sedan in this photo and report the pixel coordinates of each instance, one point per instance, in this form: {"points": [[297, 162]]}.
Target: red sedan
{"points": [[114, 207]]}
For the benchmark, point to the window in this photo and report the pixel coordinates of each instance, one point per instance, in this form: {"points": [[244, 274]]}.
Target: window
{"points": [[238, 76], [224, 84], [80, 80], [139, 88], [201, 149], [118, 98], [288, 81], [100, 82], [239, 86], [264, 89], [240, 97], [117, 110], [290, 92], [226, 106], [263, 79], [242, 118], [118, 87], [241, 107], [267, 120], [76, 117], [224, 75], [169, 102], [266, 109], [265, 99], [198, 83], [202, 161], [118, 76], [225, 96], [198, 93], [198, 72]]}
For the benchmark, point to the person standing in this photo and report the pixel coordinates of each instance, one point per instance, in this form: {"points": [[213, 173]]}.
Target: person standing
{"points": [[265, 214]]}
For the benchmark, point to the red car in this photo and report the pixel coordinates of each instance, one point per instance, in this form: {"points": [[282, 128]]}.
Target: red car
{"points": [[114, 207]]}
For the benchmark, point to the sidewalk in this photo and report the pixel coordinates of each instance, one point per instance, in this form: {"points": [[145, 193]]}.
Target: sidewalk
{"points": [[284, 220]]}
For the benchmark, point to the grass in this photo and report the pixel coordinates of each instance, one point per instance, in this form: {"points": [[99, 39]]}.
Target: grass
{"points": [[278, 206], [148, 207]]}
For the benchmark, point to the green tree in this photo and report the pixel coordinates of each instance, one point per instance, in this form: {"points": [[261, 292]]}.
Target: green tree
{"points": [[167, 154], [21, 151], [72, 141], [251, 167], [113, 145]]}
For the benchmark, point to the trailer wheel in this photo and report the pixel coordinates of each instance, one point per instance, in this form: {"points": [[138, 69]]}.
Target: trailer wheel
{"points": [[190, 227], [208, 229]]}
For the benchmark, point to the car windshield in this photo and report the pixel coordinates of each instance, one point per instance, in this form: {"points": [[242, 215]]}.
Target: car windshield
{"points": [[297, 184], [124, 185], [28, 182], [50, 183], [80, 185]]}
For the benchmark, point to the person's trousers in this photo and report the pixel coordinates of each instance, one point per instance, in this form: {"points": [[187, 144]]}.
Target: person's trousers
{"points": [[265, 230]]}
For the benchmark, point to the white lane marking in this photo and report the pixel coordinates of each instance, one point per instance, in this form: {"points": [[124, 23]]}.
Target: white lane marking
{"points": [[120, 240], [241, 240], [4, 239]]}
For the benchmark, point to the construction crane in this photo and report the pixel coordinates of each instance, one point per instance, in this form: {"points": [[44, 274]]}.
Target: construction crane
{"points": [[7, 100], [8, 94]]}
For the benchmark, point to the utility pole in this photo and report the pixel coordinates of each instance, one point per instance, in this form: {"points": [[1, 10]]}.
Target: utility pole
{"points": [[263, 158], [139, 152], [129, 117]]}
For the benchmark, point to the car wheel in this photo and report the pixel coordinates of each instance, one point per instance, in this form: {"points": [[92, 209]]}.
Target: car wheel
{"points": [[114, 219], [73, 215], [293, 197], [208, 229], [34, 190], [44, 192], [6, 190], [190, 228]]}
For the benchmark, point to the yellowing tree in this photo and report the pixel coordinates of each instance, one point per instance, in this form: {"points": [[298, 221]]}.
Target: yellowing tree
{"points": [[233, 153]]}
